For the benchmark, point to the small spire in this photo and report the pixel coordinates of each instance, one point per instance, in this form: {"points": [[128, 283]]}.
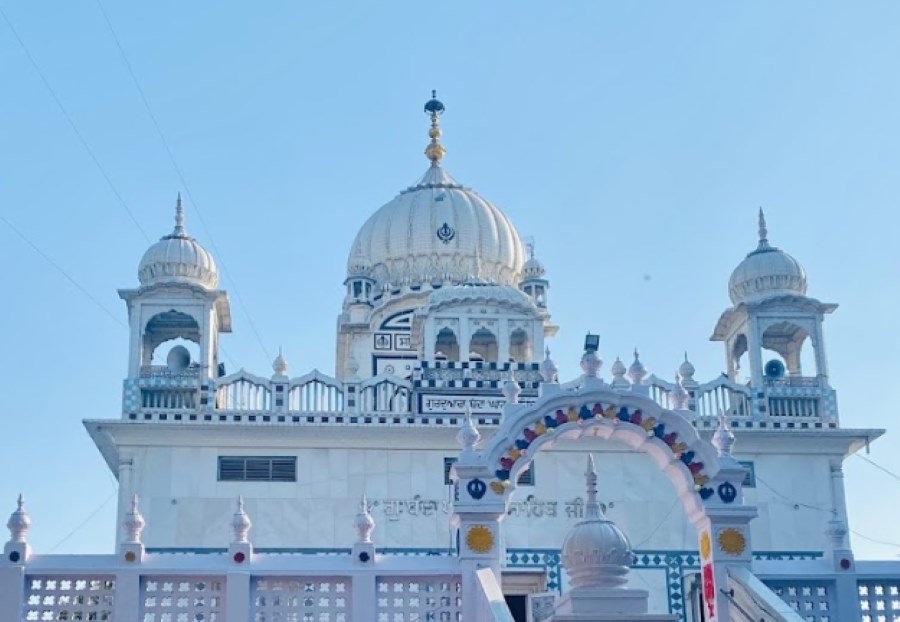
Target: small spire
{"points": [[637, 371], [549, 370], [723, 437], [364, 523], [468, 435], [678, 397], [179, 218], [511, 388], [763, 231], [280, 365], [435, 150], [591, 508], [240, 523], [134, 523], [19, 522]]}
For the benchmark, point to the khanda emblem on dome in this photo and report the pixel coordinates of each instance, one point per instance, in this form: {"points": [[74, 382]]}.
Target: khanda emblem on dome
{"points": [[446, 233]]}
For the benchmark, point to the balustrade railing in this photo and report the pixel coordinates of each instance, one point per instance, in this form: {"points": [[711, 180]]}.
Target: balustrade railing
{"points": [[316, 392], [166, 587], [385, 393], [804, 400]]}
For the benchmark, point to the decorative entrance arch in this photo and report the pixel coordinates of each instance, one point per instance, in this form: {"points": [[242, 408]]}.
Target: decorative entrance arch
{"points": [[707, 479]]}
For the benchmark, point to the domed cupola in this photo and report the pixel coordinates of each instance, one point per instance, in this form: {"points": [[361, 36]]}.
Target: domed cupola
{"points": [[438, 232], [596, 553], [178, 258], [766, 272]]}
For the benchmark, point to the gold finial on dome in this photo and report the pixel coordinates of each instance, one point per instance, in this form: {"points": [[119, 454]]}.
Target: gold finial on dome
{"points": [[435, 150]]}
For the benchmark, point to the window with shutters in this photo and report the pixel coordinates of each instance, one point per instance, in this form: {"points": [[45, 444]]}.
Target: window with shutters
{"points": [[257, 469]]}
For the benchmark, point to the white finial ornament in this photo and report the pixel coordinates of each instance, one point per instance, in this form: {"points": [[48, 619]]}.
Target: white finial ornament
{"points": [[179, 218], [19, 523], [678, 396], [468, 435], [687, 370], [636, 371], [280, 365], [763, 230], [549, 370], [592, 508], [618, 371], [241, 524], [723, 437], [134, 523], [364, 523], [511, 389], [591, 362]]}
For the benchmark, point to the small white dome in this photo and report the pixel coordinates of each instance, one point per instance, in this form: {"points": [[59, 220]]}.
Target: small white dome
{"points": [[533, 269], [595, 552], [178, 258], [766, 272]]}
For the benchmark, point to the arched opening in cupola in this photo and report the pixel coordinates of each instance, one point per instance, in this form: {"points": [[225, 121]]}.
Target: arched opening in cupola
{"points": [[446, 346], [520, 350], [483, 346], [168, 330], [786, 340]]}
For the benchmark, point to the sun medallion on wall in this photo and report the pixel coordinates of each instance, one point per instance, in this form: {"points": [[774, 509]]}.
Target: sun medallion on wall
{"points": [[732, 541], [479, 539]]}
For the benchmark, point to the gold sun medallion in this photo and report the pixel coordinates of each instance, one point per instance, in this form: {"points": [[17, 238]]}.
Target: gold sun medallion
{"points": [[479, 539], [732, 541]]}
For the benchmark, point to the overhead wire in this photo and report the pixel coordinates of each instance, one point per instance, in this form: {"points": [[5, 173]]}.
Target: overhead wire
{"points": [[181, 176], [71, 122], [63, 272], [820, 509], [878, 466]]}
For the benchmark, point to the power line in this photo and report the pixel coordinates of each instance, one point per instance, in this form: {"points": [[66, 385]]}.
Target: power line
{"points": [[74, 127], [180, 175], [62, 271], [879, 467], [84, 522], [813, 507]]}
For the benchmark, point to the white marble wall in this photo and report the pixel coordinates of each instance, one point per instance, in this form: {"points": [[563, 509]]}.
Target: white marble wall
{"points": [[185, 505]]}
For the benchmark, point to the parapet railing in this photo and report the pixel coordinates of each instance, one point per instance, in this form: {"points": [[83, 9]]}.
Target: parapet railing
{"points": [[828, 590], [787, 403], [216, 587]]}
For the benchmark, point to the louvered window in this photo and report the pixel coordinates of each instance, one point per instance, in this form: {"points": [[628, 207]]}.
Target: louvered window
{"points": [[257, 468]]}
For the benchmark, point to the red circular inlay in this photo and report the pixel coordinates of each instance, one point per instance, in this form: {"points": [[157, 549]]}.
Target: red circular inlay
{"points": [[239, 557]]}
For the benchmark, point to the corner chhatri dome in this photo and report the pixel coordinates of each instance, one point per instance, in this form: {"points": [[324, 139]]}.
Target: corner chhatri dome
{"points": [[438, 231], [766, 272], [178, 258]]}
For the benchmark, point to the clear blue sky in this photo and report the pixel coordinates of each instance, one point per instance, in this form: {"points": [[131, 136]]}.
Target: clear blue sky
{"points": [[630, 139]]}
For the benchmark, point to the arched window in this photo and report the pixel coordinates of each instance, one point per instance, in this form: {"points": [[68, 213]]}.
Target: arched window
{"points": [[483, 346], [519, 346], [170, 326], [446, 346]]}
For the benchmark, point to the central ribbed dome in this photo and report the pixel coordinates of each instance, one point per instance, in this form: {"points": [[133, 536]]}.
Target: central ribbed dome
{"points": [[437, 231]]}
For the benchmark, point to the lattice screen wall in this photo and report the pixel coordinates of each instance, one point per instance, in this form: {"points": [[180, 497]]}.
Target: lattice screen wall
{"points": [[411, 599], [812, 600], [69, 598], [182, 599], [879, 601], [310, 599]]}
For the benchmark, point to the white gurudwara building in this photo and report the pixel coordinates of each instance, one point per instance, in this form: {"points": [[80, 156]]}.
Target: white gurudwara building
{"points": [[239, 492]]}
